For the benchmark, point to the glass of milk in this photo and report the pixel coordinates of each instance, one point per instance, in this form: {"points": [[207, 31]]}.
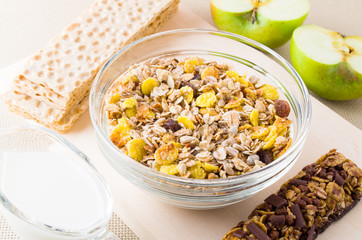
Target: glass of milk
{"points": [[49, 189]]}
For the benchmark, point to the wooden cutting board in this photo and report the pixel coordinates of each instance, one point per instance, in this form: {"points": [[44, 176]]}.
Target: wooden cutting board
{"points": [[151, 219]]}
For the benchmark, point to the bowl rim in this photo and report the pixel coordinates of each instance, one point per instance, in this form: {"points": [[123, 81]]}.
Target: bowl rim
{"points": [[300, 139]]}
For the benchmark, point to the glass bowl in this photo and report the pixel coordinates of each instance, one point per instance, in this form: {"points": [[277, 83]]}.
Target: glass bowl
{"points": [[244, 55], [23, 147]]}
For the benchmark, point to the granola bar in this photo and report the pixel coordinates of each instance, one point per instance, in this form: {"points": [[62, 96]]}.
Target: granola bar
{"points": [[306, 205], [195, 118]]}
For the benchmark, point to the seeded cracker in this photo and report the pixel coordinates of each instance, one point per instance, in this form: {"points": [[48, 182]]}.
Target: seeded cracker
{"points": [[56, 79], [307, 204]]}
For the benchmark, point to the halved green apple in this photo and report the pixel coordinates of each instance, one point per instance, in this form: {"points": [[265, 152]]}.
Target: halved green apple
{"points": [[270, 22], [329, 63]]}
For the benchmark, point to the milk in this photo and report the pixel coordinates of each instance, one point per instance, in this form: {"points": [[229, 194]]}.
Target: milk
{"points": [[54, 190]]}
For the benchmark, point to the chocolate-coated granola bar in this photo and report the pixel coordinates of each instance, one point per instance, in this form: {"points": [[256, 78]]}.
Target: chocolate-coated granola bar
{"points": [[307, 204]]}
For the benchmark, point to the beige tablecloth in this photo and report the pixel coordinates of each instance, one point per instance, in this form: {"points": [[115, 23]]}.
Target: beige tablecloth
{"points": [[26, 26]]}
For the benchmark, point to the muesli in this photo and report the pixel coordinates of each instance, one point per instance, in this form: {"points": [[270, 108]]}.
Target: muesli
{"points": [[196, 118]]}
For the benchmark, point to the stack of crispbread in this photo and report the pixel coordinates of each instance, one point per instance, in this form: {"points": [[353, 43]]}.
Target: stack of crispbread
{"points": [[53, 86]]}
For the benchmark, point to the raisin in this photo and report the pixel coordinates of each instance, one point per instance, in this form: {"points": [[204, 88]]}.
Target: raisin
{"points": [[307, 177], [282, 193], [307, 200], [309, 170], [196, 77], [322, 173], [172, 124], [316, 202], [281, 211], [289, 220], [302, 203], [282, 108], [265, 156], [274, 235], [303, 188], [191, 145]]}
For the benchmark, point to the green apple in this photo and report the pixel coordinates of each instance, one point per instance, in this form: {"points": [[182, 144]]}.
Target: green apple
{"points": [[329, 63], [270, 22]]}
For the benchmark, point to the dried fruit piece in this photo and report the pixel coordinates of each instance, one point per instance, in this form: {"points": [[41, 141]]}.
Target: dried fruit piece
{"points": [[168, 138], [131, 112], [246, 126], [281, 124], [186, 122], [166, 154], [209, 71], [259, 132], [148, 85], [232, 74], [270, 92], [209, 167], [120, 134], [270, 139], [129, 77], [145, 113], [172, 124], [243, 81], [206, 99], [254, 117], [279, 128], [188, 93], [197, 171], [250, 93], [233, 103], [282, 108], [130, 106], [129, 103], [177, 144], [169, 169], [191, 63], [115, 98], [136, 149], [210, 111]]}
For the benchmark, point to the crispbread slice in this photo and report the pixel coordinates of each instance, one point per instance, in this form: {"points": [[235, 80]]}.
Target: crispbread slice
{"points": [[51, 87], [42, 113], [48, 96], [63, 71]]}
